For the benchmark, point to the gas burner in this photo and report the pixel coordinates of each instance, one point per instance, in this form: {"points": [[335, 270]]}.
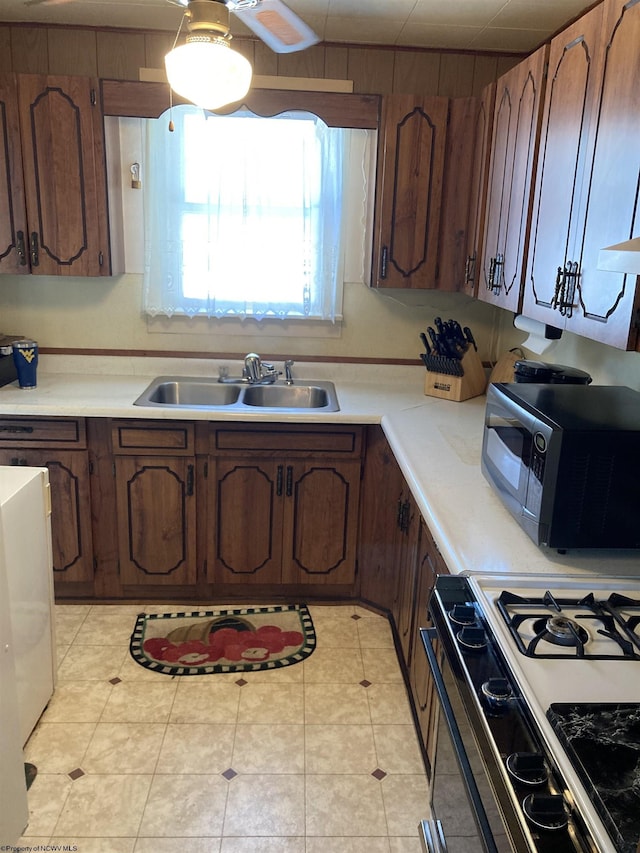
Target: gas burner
{"points": [[582, 627], [560, 631]]}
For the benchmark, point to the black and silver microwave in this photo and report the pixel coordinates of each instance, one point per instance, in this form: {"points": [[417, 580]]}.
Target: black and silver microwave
{"points": [[565, 460]]}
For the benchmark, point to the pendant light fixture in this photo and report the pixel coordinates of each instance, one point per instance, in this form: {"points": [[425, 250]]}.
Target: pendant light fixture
{"points": [[205, 70]]}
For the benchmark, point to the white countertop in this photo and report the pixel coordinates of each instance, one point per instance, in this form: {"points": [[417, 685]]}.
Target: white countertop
{"points": [[437, 444]]}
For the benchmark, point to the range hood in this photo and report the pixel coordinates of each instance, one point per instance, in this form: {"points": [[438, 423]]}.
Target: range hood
{"points": [[622, 257]]}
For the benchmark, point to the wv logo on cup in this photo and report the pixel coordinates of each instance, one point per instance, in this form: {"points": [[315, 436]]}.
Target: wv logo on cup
{"points": [[28, 355]]}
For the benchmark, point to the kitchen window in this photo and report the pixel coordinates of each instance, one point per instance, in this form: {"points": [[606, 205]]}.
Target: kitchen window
{"points": [[254, 217]]}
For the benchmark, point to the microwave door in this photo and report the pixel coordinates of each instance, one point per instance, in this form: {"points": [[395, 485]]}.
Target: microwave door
{"points": [[508, 450]]}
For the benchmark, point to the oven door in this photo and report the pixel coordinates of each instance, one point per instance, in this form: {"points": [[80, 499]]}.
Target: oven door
{"points": [[465, 816]]}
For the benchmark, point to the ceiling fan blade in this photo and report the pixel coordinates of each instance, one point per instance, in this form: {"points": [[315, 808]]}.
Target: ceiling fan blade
{"points": [[278, 27]]}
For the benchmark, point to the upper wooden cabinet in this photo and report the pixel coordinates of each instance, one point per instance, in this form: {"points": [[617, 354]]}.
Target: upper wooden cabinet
{"points": [[518, 105], [464, 191], [588, 188], [53, 197], [411, 157]]}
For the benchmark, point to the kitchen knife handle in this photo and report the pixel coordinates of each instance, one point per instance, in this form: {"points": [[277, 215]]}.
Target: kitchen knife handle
{"points": [[470, 338]]}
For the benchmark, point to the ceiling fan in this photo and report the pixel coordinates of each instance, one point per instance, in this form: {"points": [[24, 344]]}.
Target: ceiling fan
{"points": [[271, 20]]}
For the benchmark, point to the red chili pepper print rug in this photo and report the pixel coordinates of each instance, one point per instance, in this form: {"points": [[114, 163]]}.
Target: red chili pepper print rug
{"points": [[244, 640]]}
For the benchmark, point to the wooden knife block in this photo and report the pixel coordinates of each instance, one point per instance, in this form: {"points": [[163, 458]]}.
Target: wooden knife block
{"points": [[458, 388]]}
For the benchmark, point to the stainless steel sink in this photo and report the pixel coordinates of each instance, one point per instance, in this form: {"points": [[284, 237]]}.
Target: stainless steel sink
{"points": [[188, 393], [183, 392], [288, 396]]}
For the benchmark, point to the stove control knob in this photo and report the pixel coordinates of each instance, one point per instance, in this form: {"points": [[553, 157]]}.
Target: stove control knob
{"points": [[546, 811], [463, 614], [528, 768], [472, 639], [497, 692]]}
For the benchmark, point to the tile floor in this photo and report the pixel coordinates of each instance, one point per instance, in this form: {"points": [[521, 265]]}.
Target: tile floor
{"points": [[320, 757]]}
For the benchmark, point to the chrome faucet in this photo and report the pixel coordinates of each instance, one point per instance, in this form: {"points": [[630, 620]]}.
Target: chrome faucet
{"points": [[254, 372], [258, 372], [252, 367]]}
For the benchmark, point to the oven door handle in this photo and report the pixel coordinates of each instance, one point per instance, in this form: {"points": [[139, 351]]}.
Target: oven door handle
{"points": [[432, 837], [427, 635]]}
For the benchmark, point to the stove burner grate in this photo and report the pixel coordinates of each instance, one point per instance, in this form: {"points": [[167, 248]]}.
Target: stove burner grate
{"points": [[547, 617]]}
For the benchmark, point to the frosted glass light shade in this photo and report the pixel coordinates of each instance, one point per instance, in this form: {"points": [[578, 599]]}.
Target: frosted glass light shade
{"points": [[208, 73]]}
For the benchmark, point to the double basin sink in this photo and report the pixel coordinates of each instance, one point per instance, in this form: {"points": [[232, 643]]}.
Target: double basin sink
{"points": [[180, 392]]}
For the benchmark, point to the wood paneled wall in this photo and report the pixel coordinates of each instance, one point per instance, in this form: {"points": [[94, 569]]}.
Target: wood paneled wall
{"points": [[118, 54]]}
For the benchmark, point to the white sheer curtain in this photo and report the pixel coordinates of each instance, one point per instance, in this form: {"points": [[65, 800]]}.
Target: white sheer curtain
{"points": [[244, 216]]}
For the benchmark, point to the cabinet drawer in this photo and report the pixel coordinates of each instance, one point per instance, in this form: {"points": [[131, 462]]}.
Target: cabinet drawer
{"points": [[338, 441], [43, 432], [166, 438]]}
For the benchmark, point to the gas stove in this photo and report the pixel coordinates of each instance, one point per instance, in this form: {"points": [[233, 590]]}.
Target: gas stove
{"points": [[566, 656]]}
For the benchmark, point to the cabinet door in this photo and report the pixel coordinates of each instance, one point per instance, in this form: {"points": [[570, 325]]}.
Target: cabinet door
{"points": [[156, 520], [465, 191], [320, 521], [605, 302], [245, 545], [71, 543], [516, 126], [409, 191], [429, 566], [13, 217], [407, 576], [64, 175], [381, 499], [571, 93]]}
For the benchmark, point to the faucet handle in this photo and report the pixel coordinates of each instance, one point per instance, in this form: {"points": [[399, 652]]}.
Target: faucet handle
{"points": [[287, 371]]}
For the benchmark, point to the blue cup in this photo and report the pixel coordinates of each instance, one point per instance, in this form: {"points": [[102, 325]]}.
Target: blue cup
{"points": [[25, 358]]}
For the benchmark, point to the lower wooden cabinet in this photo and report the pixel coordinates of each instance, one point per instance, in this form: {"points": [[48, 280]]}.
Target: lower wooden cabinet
{"points": [[407, 567], [58, 444], [70, 509], [284, 519], [429, 565], [156, 520]]}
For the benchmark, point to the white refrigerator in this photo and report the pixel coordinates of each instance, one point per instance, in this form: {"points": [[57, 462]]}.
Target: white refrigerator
{"points": [[27, 633]]}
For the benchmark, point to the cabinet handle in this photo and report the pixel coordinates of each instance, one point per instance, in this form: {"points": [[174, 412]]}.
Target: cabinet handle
{"points": [[189, 480], [384, 257], [35, 261], [470, 268], [21, 250], [18, 460], [564, 294], [279, 481], [289, 480], [16, 429], [495, 273]]}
